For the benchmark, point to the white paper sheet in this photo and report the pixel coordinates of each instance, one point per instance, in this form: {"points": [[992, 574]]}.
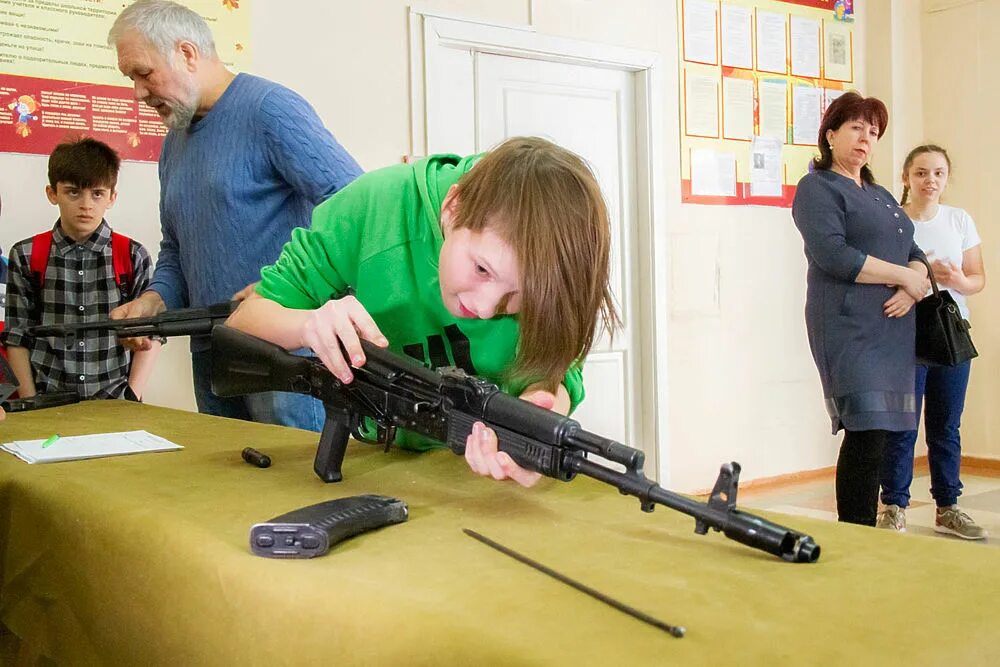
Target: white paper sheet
{"points": [[805, 47], [837, 56], [713, 173], [773, 109], [806, 102], [737, 109], [699, 31], [701, 111], [765, 167], [737, 48], [72, 448], [771, 42], [829, 95]]}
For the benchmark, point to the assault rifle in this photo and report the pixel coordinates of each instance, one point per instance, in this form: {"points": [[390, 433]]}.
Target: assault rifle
{"points": [[180, 322], [397, 392]]}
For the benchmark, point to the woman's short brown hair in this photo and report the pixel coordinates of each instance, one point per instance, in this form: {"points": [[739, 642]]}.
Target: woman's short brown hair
{"points": [[545, 202], [850, 106]]}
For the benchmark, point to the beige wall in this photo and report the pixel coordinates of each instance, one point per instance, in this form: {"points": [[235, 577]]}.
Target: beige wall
{"points": [[961, 92], [742, 383]]}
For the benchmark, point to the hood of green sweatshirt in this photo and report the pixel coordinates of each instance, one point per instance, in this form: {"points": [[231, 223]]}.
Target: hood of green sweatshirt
{"points": [[435, 175]]}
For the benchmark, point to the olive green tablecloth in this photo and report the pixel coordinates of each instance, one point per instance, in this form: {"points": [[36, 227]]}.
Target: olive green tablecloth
{"points": [[145, 560]]}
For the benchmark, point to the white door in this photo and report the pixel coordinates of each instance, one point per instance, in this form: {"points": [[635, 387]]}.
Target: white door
{"points": [[590, 111]]}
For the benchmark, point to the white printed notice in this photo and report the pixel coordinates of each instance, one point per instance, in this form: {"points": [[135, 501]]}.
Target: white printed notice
{"points": [[771, 50], [773, 109], [837, 57], [805, 47], [701, 108], [737, 49], [96, 445], [712, 173], [765, 167], [806, 102], [699, 32], [829, 95], [737, 108]]}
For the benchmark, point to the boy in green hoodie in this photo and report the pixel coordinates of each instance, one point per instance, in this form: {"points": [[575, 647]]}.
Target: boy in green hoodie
{"points": [[501, 270]]}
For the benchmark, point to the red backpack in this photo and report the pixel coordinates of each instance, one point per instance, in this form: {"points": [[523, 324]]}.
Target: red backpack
{"points": [[121, 260]]}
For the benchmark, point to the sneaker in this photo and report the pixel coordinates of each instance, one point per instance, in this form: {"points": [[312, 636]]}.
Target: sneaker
{"points": [[954, 521], [892, 517]]}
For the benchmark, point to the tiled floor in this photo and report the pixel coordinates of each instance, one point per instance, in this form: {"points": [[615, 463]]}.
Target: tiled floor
{"points": [[980, 499]]}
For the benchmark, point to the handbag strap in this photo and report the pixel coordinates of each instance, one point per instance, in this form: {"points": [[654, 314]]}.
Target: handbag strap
{"points": [[930, 275]]}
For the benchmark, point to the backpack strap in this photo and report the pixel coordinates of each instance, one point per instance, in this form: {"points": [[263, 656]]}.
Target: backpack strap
{"points": [[41, 248], [121, 262]]}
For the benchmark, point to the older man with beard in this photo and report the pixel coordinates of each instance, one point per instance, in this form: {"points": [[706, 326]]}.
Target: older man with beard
{"points": [[244, 163]]}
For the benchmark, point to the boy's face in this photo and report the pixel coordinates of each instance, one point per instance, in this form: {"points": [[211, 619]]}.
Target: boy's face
{"points": [[80, 209], [478, 271]]}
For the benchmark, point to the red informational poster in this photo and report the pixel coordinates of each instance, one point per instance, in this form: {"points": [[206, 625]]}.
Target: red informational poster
{"points": [[59, 79], [37, 114]]}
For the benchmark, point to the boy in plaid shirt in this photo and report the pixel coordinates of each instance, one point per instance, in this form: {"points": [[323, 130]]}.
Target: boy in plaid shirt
{"points": [[79, 285]]}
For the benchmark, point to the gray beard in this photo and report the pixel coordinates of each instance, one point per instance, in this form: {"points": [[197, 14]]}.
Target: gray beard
{"points": [[180, 117]]}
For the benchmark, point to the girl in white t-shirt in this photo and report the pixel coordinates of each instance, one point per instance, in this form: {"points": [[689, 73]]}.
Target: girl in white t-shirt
{"points": [[949, 238]]}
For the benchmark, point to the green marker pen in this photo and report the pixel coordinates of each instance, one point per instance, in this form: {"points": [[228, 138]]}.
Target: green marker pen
{"points": [[50, 440]]}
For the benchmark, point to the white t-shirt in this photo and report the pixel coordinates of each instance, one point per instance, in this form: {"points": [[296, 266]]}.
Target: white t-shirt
{"points": [[946, 237]]}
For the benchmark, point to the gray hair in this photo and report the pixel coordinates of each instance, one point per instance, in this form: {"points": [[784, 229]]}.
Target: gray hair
{"points": [[164, 23]]}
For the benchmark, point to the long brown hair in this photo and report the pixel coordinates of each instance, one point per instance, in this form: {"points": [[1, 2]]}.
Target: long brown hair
{"points": [[850, 106], [920, 150], [545, 202]]}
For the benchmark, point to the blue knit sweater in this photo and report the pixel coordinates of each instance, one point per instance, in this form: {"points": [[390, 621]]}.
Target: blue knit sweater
{"points": [[235, 184]]}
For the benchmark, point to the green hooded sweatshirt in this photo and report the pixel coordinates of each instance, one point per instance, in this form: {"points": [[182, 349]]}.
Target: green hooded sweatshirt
{"points": [[381, 236]]}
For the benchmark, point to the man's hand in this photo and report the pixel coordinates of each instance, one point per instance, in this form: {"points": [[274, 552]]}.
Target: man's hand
{"points": [[148, 304], [245, 292]]}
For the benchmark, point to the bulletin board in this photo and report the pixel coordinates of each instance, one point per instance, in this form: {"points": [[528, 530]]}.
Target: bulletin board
{"points": [[59, 79], [756, 77]]}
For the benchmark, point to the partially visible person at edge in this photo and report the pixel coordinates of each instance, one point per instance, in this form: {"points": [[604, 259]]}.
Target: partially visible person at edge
{"points": [[2, 413], [864, 276], [244, 163], [948, 235]]}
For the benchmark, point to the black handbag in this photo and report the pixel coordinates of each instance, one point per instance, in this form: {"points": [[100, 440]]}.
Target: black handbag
{"points": [[943, 337]]}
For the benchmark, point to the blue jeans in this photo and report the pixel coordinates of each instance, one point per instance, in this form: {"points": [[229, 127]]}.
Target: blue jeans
{"points": [[944, 388], [272, 407]]}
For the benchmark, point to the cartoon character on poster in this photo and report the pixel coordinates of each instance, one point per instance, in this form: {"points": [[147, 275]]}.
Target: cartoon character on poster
{"points": [[843, 10], [24, 107]]}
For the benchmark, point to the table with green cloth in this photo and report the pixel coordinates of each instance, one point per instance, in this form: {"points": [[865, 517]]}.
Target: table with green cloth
{"points": [[145, 559]]}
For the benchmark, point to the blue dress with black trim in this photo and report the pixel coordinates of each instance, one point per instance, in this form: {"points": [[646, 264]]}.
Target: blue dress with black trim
{"points": [[865, 359]]}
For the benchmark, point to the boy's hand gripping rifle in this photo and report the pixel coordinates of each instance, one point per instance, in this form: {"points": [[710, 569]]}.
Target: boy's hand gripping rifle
{"points": [[179, 322], [396, 392]]}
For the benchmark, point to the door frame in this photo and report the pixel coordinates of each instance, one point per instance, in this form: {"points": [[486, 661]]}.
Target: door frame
{"points": [[434, 35]]}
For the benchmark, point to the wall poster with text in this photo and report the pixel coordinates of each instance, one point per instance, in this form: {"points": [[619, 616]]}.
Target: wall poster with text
{"points": [[59, 79], [756, 77]]}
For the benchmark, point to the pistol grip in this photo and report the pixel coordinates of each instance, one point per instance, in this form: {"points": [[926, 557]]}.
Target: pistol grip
{"points": [[333, 444]]}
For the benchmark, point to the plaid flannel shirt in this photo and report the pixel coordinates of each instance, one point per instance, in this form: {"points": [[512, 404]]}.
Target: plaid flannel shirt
{"points": [[79, 286]]}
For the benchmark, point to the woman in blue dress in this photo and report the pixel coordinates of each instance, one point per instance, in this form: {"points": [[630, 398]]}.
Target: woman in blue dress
{"points": [[864, 276]]}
